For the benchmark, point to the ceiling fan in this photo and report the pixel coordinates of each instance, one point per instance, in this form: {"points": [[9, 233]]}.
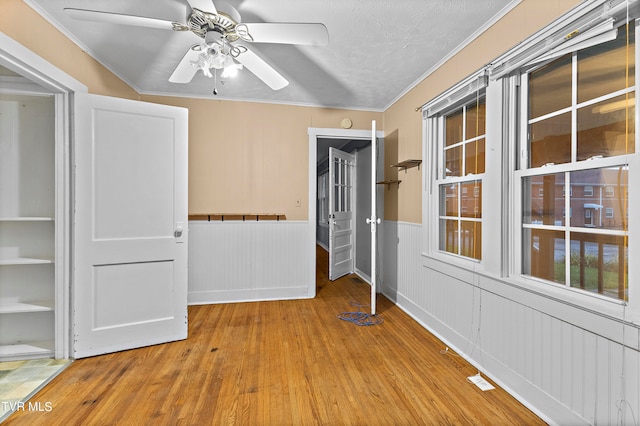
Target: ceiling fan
{"points": [[222, 32]]}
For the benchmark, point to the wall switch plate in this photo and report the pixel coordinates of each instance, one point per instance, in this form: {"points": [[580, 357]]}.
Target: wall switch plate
{"points": [[480, 382]]}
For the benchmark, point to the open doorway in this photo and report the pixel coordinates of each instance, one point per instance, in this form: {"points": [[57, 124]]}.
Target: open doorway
{"points": [[357, 143], [359, 198]]}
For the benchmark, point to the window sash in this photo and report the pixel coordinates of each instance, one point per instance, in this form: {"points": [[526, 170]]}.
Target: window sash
{"points": [[459, 234], [590, 234]]}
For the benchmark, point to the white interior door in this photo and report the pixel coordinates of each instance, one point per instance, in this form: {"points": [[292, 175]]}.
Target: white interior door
{"points": [[341, 213], [130, 235]]}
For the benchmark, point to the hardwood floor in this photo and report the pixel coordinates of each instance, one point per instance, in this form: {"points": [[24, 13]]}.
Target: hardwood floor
{"points": [[279, 363]]}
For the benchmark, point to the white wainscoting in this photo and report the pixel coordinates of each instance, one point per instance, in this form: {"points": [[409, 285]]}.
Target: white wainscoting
{"points": [[237, 261], [567, 364]]}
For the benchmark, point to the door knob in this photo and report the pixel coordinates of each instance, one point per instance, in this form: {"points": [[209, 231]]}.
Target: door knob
{"points": [[178, 233]]}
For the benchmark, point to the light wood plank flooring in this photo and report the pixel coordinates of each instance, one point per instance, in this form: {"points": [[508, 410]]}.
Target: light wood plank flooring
{"points": [[280, 363]]}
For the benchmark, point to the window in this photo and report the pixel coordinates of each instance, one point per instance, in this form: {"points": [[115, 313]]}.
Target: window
{"points": [[462, 161], [323, 199], [579, 117]]}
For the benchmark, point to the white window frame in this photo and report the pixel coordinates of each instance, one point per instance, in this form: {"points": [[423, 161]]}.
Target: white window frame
{"points": [[520, 84], [434, 113]]}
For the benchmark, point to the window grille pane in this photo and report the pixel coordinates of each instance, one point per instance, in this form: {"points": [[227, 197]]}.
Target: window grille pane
{"points": [[474, 153], [347, 199], [471, 239], [599, 263], [449, 235], [607, 128], [544, 254], [453, 128], [550, 87], [543, 200], [449, 200], [550, 141], [602, 69], [470, 199], [453, 161], [475, 120], [592, 212]]}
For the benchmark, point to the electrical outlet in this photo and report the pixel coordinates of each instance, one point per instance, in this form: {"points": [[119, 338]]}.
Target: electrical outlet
{"points": [[298, 203]]}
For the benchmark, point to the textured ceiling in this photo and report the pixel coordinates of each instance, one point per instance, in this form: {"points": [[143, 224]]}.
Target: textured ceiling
{"points": [[378, 49]]}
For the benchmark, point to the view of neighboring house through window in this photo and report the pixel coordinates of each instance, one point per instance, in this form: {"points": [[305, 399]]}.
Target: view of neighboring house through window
{"points": [[580, 129], [460, 183]]}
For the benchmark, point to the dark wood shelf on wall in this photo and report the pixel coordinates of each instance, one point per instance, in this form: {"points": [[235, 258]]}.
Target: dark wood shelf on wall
{"points": [[389, 183], [254, 217], [407, 164]]}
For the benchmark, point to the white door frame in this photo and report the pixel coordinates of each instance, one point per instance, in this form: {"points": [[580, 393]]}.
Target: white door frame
{"points": [[23, 61], [328, 133]]}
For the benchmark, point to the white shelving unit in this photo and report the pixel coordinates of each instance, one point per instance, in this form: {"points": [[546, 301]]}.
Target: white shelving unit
{"points": [[27, 226]]}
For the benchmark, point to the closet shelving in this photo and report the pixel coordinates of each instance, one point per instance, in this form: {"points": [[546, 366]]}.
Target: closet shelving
{"points": [[27, 227]]}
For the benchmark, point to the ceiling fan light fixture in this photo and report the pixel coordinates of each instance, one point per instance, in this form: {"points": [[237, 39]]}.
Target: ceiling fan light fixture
{"points": [[231, 68], [215, 56]]}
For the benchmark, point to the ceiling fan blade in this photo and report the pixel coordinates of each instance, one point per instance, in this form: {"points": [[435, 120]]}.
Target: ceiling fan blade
{"points": [[262, 70], [203, 5], [288, 33], [185, 71], [116, 18]]}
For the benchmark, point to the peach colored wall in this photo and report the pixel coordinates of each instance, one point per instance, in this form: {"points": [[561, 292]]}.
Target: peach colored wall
{"points": [[253, 158], [405, 124], [23, 24], [244, 157], [249, 157]]}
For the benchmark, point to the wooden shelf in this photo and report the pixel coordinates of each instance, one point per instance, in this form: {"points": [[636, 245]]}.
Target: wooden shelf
{"points": [[26, 219], [389, 182], [24, 261], [407, 164], [15, 307], [25, 350]]}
